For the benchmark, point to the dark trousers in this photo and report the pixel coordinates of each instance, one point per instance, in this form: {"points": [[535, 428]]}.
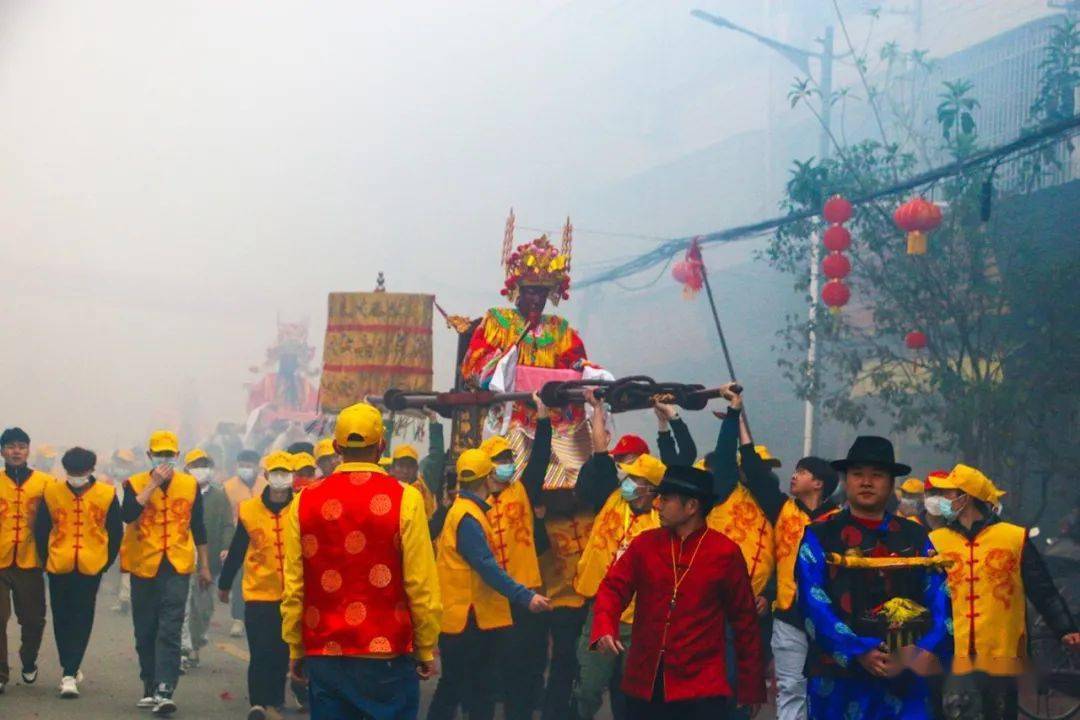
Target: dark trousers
{"points": [[564, 627], [711, 708], [351, 688], [72, 596], [269, 663], [522, 657], [469, 677], [157, 610], [714, 708], [25, 591], [978, 696]]}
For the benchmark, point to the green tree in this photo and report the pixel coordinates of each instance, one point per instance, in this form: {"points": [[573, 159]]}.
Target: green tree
{"points": [[994, 355]]}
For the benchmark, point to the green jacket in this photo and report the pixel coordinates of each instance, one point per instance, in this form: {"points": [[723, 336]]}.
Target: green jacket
{"points": [[217, 515], [434, 463]]}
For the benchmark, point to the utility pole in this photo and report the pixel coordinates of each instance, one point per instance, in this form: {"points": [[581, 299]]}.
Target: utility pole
{"points": [[800, 58]]}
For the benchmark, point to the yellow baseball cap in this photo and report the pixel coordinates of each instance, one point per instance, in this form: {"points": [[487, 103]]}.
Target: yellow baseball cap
{"points": [[359, 426], [164, 441], [325, 448], [126, 455], [495, 445], [196, 454], [385, 461], [913, 486], [969, 480], [47, 451], [405, 451], [647, 467], [278, 460], [473, 465], [302, 460]]}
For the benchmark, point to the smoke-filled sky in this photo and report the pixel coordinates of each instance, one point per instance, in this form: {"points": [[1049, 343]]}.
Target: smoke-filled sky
{"points": [[175, 175]]}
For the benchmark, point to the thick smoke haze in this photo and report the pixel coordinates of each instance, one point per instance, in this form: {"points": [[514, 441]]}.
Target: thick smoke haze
{"points": [[174, 176]]}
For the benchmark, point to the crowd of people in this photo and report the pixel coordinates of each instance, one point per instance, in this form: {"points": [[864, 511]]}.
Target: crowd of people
{"points": [[667, 582]]}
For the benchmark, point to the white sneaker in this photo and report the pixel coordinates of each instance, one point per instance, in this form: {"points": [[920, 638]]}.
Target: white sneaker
{"points": [[69, 688], [164, 706], [237, 629], [257, 712], [148, 702]]}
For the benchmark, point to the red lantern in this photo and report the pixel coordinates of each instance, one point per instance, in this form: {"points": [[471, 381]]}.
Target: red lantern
{"points": [[837, 210], [682, 271], [918, 217], [915, 340], [836, 266], [836, 238], [690, 271], [835, 294]]}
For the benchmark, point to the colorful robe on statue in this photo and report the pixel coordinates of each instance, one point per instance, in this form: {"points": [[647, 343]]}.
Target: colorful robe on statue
{"points": [[832, 600], [552, 345]]}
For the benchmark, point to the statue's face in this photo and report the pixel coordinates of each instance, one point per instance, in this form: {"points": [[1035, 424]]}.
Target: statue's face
{"points": [[531, 301]]}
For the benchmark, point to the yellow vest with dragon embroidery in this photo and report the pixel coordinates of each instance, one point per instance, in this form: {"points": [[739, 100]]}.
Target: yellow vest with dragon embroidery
{"points": [[742, 520], [988, 602]]}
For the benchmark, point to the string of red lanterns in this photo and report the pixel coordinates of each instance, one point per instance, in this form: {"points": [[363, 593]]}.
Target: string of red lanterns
{"points": [[917, 217], [836, 239]]}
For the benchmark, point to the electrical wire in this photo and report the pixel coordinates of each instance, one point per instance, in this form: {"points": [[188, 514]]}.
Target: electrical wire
{"points": [[671, 247]]}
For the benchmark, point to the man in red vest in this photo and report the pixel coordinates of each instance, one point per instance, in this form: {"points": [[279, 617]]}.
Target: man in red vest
{"points": [[361, 608]]}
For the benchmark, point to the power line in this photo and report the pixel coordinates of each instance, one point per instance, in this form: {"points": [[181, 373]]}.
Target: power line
{"points": [[743, 232]]}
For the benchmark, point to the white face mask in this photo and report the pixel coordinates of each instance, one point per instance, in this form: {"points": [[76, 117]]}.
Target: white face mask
{"points": [[246, 474], [78, 482], [279, 480], [202, 474]]}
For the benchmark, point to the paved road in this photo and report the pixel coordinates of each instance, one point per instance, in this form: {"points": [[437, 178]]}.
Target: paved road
{"points": [[216, 690]]}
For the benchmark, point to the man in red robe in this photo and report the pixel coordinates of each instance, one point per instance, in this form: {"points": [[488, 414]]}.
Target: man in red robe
{"points": [[690, 582]]}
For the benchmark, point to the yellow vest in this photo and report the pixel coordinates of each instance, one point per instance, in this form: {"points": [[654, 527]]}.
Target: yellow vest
{"points": [[461, 587], [788, 534], [511, 518], [988, 601], [264, 562], [429, 497], [162, 530], [237, 491], [79, 540], [742, 520], [558, 566], [18, 510], [616, 525]]}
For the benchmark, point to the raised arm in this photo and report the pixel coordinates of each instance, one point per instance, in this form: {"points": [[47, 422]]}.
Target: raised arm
{"points": [[674, 441], [540, 456], [758, 477], [598, 477]]}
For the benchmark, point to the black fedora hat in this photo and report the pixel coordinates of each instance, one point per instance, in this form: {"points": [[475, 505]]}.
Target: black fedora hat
{"points": [[871, 450], [690, 481]]}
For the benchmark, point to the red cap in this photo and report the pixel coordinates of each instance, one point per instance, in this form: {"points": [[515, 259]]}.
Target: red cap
{"points": [[935, 474], [630, 445]]}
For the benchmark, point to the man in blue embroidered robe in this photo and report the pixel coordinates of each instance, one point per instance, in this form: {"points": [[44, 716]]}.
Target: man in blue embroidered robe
{"points": [[858, 667]]}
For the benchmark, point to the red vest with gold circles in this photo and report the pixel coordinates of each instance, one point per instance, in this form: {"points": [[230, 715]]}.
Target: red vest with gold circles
{"points": [[354, 595]]}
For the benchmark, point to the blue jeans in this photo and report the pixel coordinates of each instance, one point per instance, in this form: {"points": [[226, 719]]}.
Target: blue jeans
{"points": [[349, 688]]}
